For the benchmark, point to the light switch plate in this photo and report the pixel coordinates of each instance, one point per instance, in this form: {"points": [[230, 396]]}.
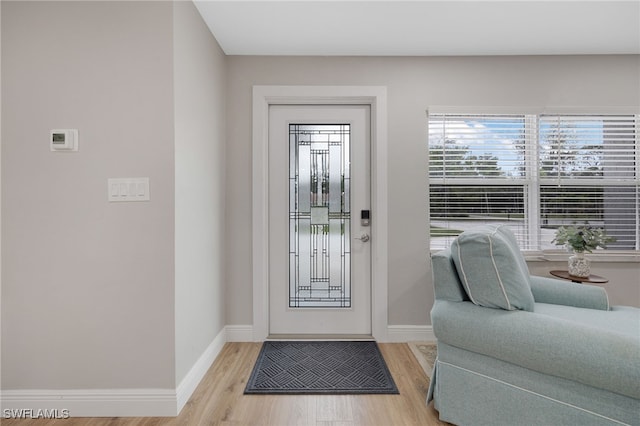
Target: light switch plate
{"points": [[128, 189]]}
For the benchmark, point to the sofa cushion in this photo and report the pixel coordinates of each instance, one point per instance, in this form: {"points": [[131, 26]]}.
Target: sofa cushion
{"points": [[492, 269]]}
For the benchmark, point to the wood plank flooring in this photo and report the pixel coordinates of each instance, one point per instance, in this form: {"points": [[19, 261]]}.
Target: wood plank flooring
{"points": [[219, 399]]}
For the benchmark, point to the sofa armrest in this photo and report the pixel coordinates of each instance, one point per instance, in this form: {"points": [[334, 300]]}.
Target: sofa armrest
{"points": [[557, 292], [446, 284]]}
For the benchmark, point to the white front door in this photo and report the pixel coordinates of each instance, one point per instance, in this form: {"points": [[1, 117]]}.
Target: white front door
{"points": [[319, 192]]}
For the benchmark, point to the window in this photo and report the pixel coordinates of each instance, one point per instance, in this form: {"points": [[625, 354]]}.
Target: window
{"points": [[534, 173]]}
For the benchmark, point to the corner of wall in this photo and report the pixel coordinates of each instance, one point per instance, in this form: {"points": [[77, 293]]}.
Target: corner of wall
{"points": [[199, 139]]}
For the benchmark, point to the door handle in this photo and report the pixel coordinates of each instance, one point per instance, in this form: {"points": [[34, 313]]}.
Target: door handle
{"points": [[364, 238]]}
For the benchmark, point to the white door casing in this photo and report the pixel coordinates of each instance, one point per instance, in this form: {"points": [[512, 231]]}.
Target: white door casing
{"points": [[307, 262], [375, 97]]}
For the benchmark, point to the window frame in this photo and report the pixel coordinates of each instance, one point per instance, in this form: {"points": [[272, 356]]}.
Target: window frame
{"points": [[532, 182]]}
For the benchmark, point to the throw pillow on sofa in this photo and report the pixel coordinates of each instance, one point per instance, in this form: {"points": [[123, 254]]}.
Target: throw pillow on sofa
{"points": [[492, 269]]}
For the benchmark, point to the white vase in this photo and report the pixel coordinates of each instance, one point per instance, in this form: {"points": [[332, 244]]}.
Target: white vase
{"points": [[579, 266]]}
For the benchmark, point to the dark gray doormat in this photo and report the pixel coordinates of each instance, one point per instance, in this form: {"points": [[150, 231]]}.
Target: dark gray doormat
{"points": [[314, 367]]}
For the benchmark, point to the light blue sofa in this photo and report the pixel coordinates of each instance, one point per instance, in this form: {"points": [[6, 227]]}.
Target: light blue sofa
{"points": [[515, 349]]}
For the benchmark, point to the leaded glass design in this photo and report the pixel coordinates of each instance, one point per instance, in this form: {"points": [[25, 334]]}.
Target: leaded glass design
{"points": [[319, 216]]}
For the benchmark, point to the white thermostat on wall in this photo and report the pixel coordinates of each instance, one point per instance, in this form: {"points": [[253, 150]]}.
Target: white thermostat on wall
{"points": [[64, 140]]}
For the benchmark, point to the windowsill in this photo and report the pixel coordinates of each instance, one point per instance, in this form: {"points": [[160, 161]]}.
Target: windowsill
{"points": [[562, 256]]}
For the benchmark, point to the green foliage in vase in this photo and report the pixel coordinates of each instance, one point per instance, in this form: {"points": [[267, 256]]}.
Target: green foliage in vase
{"points": [[581, 238]]}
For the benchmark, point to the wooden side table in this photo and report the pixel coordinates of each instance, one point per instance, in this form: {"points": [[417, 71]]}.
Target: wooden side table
{"points": [[591, 279]]}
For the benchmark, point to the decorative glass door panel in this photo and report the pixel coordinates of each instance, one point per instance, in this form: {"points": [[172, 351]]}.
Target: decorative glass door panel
{"points": [[319, 216]]}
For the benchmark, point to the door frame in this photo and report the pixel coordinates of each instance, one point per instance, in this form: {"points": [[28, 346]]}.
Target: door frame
{"points": [[376, 98]]}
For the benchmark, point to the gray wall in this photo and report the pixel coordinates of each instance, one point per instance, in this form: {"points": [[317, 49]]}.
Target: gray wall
{"points": [[99, 295], [200, 186], [89, 282], [413, 85], [0, 197]]}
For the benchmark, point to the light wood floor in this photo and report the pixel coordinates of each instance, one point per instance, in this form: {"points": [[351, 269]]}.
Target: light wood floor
{"points": [[219, 399]]}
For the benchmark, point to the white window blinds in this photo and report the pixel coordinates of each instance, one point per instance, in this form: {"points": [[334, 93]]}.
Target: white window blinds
{"points": [[471, 146], [533, 173], [589, 174]]}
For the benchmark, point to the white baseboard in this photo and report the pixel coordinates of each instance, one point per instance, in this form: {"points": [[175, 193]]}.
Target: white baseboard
{"points": [[194, 376], [90, 402], [239, 333], [395, 333], [111, 402], [410, 333]]}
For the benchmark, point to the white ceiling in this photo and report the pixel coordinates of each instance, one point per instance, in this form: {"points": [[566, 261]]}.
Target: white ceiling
{"points": [[423, 27]]}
